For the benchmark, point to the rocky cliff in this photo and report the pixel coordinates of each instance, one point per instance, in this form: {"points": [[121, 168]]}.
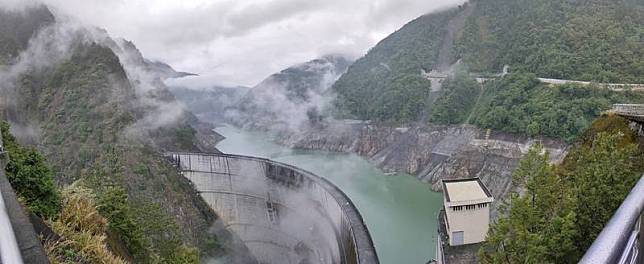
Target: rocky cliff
{"points": [[431, 153]]}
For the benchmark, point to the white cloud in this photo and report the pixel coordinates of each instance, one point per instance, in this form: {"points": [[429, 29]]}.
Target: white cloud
{"points": [[241, 42]]}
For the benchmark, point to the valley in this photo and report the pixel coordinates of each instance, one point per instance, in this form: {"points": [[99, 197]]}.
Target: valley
{"points": [[341, 154]]}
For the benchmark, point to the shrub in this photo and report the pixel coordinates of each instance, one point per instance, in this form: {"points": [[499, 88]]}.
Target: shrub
{"points": [[113, 205], [83, 227], [30, 176]]}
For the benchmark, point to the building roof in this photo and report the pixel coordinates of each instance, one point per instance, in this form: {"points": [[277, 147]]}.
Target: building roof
{"points": [[465, 190]]}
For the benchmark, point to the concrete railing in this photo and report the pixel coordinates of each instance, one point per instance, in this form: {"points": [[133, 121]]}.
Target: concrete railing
{"points": [[621, 241], [629, 109]]}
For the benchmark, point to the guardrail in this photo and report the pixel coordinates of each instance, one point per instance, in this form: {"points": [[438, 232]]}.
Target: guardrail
{"points": [[622, 239], [9, 251]]}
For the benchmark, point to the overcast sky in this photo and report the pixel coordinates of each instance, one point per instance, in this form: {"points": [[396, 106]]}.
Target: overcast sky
{"points": [[240, 42]]}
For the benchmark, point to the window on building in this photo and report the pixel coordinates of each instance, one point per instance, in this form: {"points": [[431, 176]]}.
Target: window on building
{"points": [[458, 238]]}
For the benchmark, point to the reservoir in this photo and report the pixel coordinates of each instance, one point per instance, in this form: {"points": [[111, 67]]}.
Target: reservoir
{"points": [[399, 210]]}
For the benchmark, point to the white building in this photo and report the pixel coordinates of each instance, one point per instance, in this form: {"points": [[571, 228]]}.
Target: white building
{"points": [[467, 210]]}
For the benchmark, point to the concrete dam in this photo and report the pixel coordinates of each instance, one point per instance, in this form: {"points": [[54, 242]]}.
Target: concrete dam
{"points": [[282, 213]]}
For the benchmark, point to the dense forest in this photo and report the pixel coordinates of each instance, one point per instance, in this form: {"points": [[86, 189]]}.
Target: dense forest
{"points": [[459, 96], [557, 211], [593, 40], [519, 103]]}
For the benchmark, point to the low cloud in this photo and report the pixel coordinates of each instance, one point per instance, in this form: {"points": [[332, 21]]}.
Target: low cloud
{"points": [[233, 42]]}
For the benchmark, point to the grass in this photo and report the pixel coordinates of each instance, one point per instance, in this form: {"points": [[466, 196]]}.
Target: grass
{"points": [[83, 229]]}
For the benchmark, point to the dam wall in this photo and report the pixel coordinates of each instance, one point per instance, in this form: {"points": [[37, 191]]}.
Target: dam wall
{"points": [[282, 213]]}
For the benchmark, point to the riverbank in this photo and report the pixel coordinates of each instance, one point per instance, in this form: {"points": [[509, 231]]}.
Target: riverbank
{"points": [[428, 152]]}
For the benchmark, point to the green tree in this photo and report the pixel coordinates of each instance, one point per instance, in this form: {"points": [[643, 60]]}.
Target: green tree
{"points": [[31, 177], [457, 101], [539, 226], [113, 205], [604, 173]]}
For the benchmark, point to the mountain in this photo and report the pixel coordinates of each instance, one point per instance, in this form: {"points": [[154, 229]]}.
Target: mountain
{"points": [[157, 68], [399, 80], [209, 104], [293, 97], [16, 28], [386, 84], [591, 40], [102, 117]]}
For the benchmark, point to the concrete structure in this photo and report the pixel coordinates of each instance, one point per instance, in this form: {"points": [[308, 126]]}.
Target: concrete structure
{"points": [[282, 213], [467, 210], [633, 112]]}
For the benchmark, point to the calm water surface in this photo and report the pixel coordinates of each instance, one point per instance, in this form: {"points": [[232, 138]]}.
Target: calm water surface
{"points": [[399, 210]]}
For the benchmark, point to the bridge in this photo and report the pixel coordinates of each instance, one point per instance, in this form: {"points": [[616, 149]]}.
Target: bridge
{"points": [[283, 214]]}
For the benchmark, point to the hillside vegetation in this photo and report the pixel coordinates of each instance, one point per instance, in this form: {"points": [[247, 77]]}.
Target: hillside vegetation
{"points": [[459, 96], [386, 84], [87, 117], [557, 211], [591, 40], [519, 103]]}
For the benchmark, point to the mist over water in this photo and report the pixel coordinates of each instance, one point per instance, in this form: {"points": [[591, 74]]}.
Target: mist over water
{"points": [[399, 211]]}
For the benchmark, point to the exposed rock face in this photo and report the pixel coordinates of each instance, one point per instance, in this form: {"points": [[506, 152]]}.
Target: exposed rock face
{"points": [[431, 153]]}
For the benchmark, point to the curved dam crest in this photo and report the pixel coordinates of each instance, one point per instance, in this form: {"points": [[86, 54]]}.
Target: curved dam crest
{"points": [[400, 211], [282, 213]]}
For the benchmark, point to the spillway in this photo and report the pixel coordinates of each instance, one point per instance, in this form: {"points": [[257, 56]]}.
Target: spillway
{"points": [[282, 213]]}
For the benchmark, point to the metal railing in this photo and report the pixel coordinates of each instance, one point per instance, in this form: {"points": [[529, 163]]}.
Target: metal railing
{"points": [[9, 251], [621, 240], [1, 147]]}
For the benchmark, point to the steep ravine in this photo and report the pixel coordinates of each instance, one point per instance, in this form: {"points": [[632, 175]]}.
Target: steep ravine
{"points": [[431, 153]]}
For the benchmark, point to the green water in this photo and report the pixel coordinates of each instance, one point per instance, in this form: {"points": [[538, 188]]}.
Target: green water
{"points": [[399, 210]]}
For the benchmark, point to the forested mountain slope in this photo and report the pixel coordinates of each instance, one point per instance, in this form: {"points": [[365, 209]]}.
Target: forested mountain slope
{"points": [[102, 121], [519, 103], [16, 28], [386, 84], [594, 40], [591, 40]]}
